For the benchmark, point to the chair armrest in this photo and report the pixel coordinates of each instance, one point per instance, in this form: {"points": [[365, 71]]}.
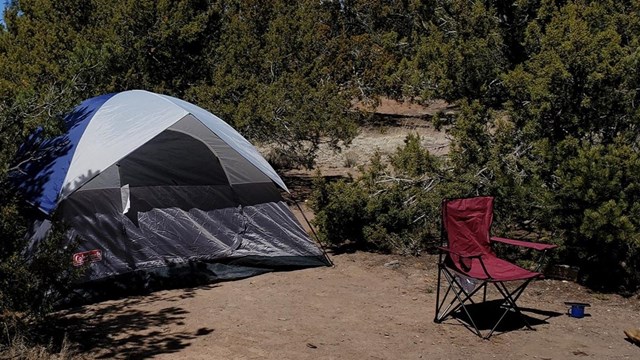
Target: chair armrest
{"points": [[472, 256], [446, 249], [527, 244]]}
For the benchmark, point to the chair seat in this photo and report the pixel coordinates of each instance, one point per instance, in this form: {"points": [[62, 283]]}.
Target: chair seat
{"points": [[498, 269]]}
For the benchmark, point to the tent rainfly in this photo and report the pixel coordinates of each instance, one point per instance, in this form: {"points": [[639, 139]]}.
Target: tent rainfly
{"points": [[147, 181]]}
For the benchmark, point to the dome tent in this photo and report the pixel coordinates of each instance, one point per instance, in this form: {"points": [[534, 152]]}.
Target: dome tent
{"points": [[148, 182]]}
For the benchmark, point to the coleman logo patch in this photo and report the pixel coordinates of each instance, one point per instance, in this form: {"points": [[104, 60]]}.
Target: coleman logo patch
{"points": [[90, 256]]}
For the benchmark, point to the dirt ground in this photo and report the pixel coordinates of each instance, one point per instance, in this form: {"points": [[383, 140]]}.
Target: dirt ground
{"points": [[368, 306]]}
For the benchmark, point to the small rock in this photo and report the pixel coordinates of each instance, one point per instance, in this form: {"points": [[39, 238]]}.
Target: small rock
{"points": [[393, 263], [311, 346]]}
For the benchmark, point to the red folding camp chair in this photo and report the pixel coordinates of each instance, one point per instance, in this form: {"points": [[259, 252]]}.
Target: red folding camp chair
{"points": [[468, 263]]}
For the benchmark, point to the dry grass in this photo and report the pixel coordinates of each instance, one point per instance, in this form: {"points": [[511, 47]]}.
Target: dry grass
{"points": [[20, 348], [17, 341]]}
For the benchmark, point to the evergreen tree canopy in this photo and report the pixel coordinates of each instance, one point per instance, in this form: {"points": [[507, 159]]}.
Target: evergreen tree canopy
{"points": [[547, 92]]}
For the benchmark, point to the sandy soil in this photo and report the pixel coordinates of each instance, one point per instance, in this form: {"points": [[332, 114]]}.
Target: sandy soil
{"points": [[362, 308], [368, 306]]}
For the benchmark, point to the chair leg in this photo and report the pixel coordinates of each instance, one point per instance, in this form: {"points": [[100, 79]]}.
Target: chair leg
{"points": [[441, 315], [435, 318], [460, 298], [510, 304]]}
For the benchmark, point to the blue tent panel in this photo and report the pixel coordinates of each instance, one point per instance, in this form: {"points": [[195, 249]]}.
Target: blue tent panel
{"points": [[43, 179]]}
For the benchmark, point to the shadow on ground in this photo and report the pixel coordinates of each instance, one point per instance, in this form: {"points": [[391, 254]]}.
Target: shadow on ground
{"points": [[122, 330], [486, 314]]}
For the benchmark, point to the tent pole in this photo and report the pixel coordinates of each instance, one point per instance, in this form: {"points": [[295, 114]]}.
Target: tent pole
{"points": [[315, 235]]}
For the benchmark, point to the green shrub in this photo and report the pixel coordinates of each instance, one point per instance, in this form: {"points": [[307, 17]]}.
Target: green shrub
{"points": [[343, 216], [598, 205], [390, 208], [30, 286], [578, 194]]}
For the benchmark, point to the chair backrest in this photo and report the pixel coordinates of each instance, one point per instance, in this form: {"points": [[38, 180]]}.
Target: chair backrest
{"points": [[467, 224]]}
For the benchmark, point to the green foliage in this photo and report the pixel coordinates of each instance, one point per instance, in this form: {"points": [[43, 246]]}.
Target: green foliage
{"points": [[389, 208], [43, 66], [547, 122], [30, 286], [412, 159], [578, 78], [472, 142], [547, 93], [271, 78], [598, 197], [266, 68], [36, 88], [339, 210], [459, 50], [572, 120]]}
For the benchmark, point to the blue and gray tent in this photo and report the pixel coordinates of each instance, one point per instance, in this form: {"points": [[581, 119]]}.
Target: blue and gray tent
{"points": [[148, 182]]}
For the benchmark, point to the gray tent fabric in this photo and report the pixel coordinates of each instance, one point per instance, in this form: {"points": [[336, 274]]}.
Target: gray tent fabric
{"points": [[182, 198]]}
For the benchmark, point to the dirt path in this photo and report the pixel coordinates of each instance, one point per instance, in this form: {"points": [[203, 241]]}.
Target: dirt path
{"points": [[359, 309]]}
